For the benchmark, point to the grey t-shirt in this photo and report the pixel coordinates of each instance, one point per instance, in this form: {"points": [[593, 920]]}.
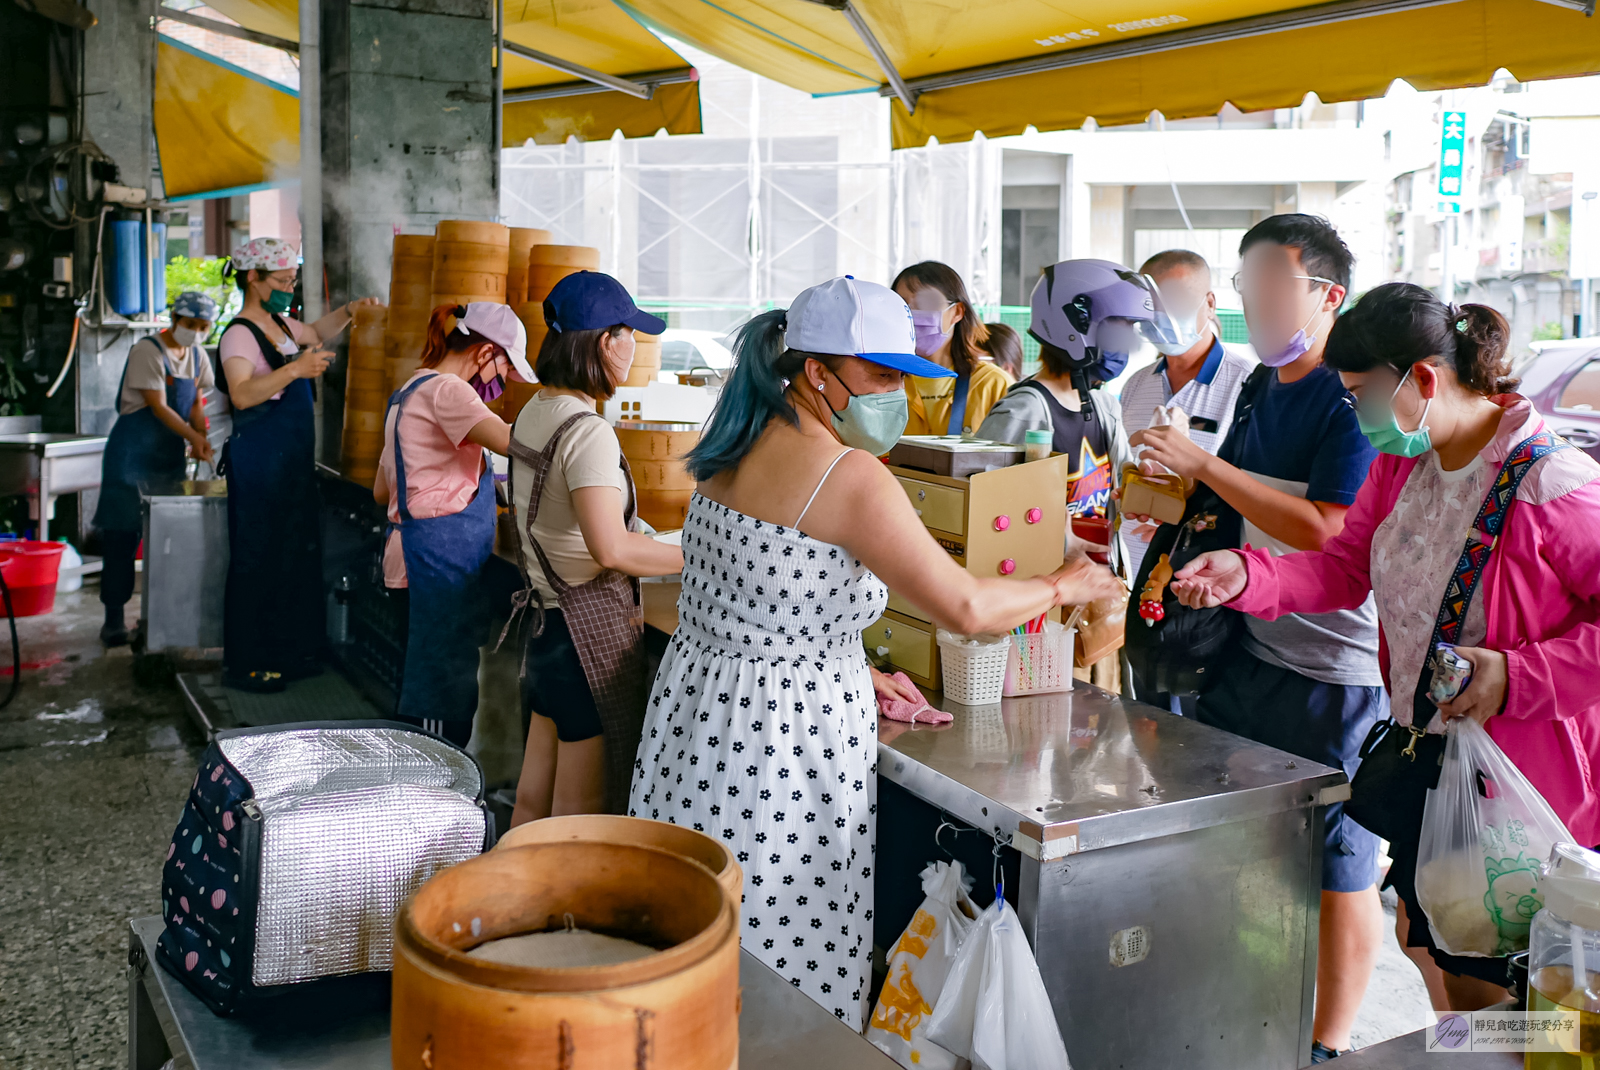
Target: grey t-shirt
{"points": [[150, 363]]}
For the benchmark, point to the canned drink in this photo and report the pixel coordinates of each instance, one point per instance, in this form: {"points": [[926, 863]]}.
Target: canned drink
{"points": [[1451, 673]]}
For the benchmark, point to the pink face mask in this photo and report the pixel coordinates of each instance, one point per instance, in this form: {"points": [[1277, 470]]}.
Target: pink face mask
{"points": [[930, 337], [1292, 350]]}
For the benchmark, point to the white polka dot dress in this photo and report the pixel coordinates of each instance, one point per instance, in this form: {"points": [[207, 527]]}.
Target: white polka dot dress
{"points": [[762, 730]]}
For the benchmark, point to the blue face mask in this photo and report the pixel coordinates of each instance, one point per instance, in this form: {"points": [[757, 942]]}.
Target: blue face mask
{"points": [[1107, 366], [1385, 434], [871, 422]]}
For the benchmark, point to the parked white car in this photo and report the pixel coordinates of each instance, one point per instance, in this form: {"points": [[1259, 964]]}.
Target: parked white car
{"points": [[684, 350]]}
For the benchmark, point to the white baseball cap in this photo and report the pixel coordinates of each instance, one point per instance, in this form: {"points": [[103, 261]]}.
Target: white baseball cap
{"points": [[500, 325], [863, 319]]}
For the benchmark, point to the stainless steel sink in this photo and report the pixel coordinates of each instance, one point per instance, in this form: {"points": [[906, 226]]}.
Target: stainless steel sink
{"points": [[45, 465]]}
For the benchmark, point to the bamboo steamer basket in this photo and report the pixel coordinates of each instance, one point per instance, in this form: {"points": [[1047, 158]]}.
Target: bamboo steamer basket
{"points": [[363, 444], [664, 510], [465, 299], [413, 245], [516, 395], [410, 296], [469, 256], [470, 282], [577, 257], [663, 441], [531, 313], [474, 231], [403, 369], [522, 240], [364, 422], [542, 278], [368, 316], [368, 359], [366, 380], [451, 1011], [660, 475], [411, 270], [614, 828], [369, 400]]}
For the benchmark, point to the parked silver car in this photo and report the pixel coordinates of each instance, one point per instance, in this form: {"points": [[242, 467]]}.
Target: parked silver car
{"points": [[1563, 381]]}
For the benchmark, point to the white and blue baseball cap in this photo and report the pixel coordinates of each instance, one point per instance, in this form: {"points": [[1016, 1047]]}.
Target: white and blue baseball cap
{"points": [[862, 319]]}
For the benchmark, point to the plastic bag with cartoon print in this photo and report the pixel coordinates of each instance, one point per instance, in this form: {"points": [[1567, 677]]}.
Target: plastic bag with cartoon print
{"points": [[1485, 832]]}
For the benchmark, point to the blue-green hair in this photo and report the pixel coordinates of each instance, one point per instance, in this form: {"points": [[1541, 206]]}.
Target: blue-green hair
{"points": [[753, 395]]}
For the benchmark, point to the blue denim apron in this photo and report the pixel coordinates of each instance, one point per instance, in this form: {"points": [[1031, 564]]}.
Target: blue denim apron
{"points": [[142, 449], [444, 558], [274, 616]]}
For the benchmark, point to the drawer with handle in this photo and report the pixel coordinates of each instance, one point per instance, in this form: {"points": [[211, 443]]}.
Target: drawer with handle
{"points": [[939, 507], [908, 644]]}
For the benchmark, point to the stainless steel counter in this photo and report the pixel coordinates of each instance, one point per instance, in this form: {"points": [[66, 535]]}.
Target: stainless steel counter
{"points": [[1167, 874], [347, 1027], [46, 465]]}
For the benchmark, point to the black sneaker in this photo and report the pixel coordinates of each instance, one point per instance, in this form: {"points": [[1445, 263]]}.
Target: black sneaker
{"points": [[260, 681], [113, 634], [1321, 1053]]}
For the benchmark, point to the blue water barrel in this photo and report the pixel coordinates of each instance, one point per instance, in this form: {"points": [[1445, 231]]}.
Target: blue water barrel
{"points": [[124, 275]]}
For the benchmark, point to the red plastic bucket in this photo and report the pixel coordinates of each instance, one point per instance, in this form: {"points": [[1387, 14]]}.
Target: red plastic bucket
{"points": [[31, 569]]}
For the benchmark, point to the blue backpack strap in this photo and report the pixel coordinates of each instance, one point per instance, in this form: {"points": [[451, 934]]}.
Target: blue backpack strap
{"points": [[1485, 533], [958, 405]]}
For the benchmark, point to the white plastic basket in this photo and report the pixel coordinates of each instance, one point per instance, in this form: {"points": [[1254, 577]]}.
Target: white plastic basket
{"points": [[973, 666], [1040, 663]]}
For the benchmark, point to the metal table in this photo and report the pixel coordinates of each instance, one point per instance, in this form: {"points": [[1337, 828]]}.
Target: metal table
{"points": [[45, 465], [779, 1028], [1167, 874]]}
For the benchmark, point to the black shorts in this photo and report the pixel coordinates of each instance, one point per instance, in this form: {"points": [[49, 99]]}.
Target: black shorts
{"points": [[554, 685]]}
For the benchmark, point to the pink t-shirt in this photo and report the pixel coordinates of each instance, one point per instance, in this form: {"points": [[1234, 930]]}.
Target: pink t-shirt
{"points": [[442, 467], [239, 342]]}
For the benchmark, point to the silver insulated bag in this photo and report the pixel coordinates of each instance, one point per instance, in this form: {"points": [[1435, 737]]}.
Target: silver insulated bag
{"points": [[297, 846]]}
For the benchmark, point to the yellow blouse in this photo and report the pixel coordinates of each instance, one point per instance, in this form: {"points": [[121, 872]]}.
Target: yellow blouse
{"points": [[929, 400]]}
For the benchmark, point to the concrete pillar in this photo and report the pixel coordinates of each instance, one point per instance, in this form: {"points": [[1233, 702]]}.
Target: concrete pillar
{"points": [[1107, 218], [118, 75], [407, 127]]}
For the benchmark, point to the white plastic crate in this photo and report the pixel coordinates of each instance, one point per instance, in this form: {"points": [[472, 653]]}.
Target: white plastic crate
{"points": [[973, 674], [1041, 662]]}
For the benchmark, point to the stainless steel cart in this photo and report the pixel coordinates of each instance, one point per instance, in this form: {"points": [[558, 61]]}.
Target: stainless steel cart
{"points": [[45, 465], [1168, 874], [185, 564]]}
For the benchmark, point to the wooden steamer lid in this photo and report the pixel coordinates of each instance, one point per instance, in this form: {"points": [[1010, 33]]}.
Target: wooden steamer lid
{"points": [[614, 828], [455, 1011]]}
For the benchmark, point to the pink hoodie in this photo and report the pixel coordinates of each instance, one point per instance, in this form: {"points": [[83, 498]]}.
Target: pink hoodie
{"points": [[1541, 594]]}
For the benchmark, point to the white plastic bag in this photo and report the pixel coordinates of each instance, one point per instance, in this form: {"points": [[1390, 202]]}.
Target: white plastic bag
{"points": [[921, 959], [994, 1009], [1485, 831]]}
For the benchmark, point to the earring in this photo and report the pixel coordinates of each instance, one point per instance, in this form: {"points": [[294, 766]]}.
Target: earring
{"points": [[820, 389]]}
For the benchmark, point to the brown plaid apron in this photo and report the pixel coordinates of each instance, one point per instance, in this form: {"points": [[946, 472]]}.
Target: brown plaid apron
{"points": [[604, 615]]}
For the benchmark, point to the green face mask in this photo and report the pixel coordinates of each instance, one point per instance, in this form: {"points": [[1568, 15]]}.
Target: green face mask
{"points": [[1386, 436], [871, 422], [278, 302]]}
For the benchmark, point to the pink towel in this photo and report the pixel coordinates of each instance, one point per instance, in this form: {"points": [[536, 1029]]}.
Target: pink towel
{"points": [[919, 712]]}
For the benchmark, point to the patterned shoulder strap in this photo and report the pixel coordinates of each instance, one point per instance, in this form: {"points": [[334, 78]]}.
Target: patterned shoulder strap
{"points": [[1485, 533]]}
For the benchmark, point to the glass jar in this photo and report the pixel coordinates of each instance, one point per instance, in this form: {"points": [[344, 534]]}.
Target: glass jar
{"points": [[1036, 445], [1564, 954]]}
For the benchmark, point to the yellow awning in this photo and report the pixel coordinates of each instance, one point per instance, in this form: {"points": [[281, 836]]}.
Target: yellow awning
{"points": [[219, 127], [959, 58], [596, 34]]}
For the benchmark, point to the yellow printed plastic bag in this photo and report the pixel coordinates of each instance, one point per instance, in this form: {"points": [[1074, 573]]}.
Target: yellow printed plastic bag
{"points": [[918, 964]]}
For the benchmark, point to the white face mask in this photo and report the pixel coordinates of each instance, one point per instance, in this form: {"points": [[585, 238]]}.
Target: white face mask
{"points": [[185, 336]]}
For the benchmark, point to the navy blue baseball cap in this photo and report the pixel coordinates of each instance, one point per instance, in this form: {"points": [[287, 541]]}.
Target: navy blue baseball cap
{"points": [[593, 301]]}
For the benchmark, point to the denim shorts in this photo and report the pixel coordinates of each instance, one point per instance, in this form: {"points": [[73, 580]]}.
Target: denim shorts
{"points": [[554, 684], [1325, 723]]}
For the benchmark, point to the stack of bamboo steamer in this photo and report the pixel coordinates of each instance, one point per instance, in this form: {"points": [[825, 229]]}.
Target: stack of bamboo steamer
{"points": [[523, 239], [546, 265], [410, 302], [655, 452], [366, 394], [646, 359], [674, 1009], [470, 262]]}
